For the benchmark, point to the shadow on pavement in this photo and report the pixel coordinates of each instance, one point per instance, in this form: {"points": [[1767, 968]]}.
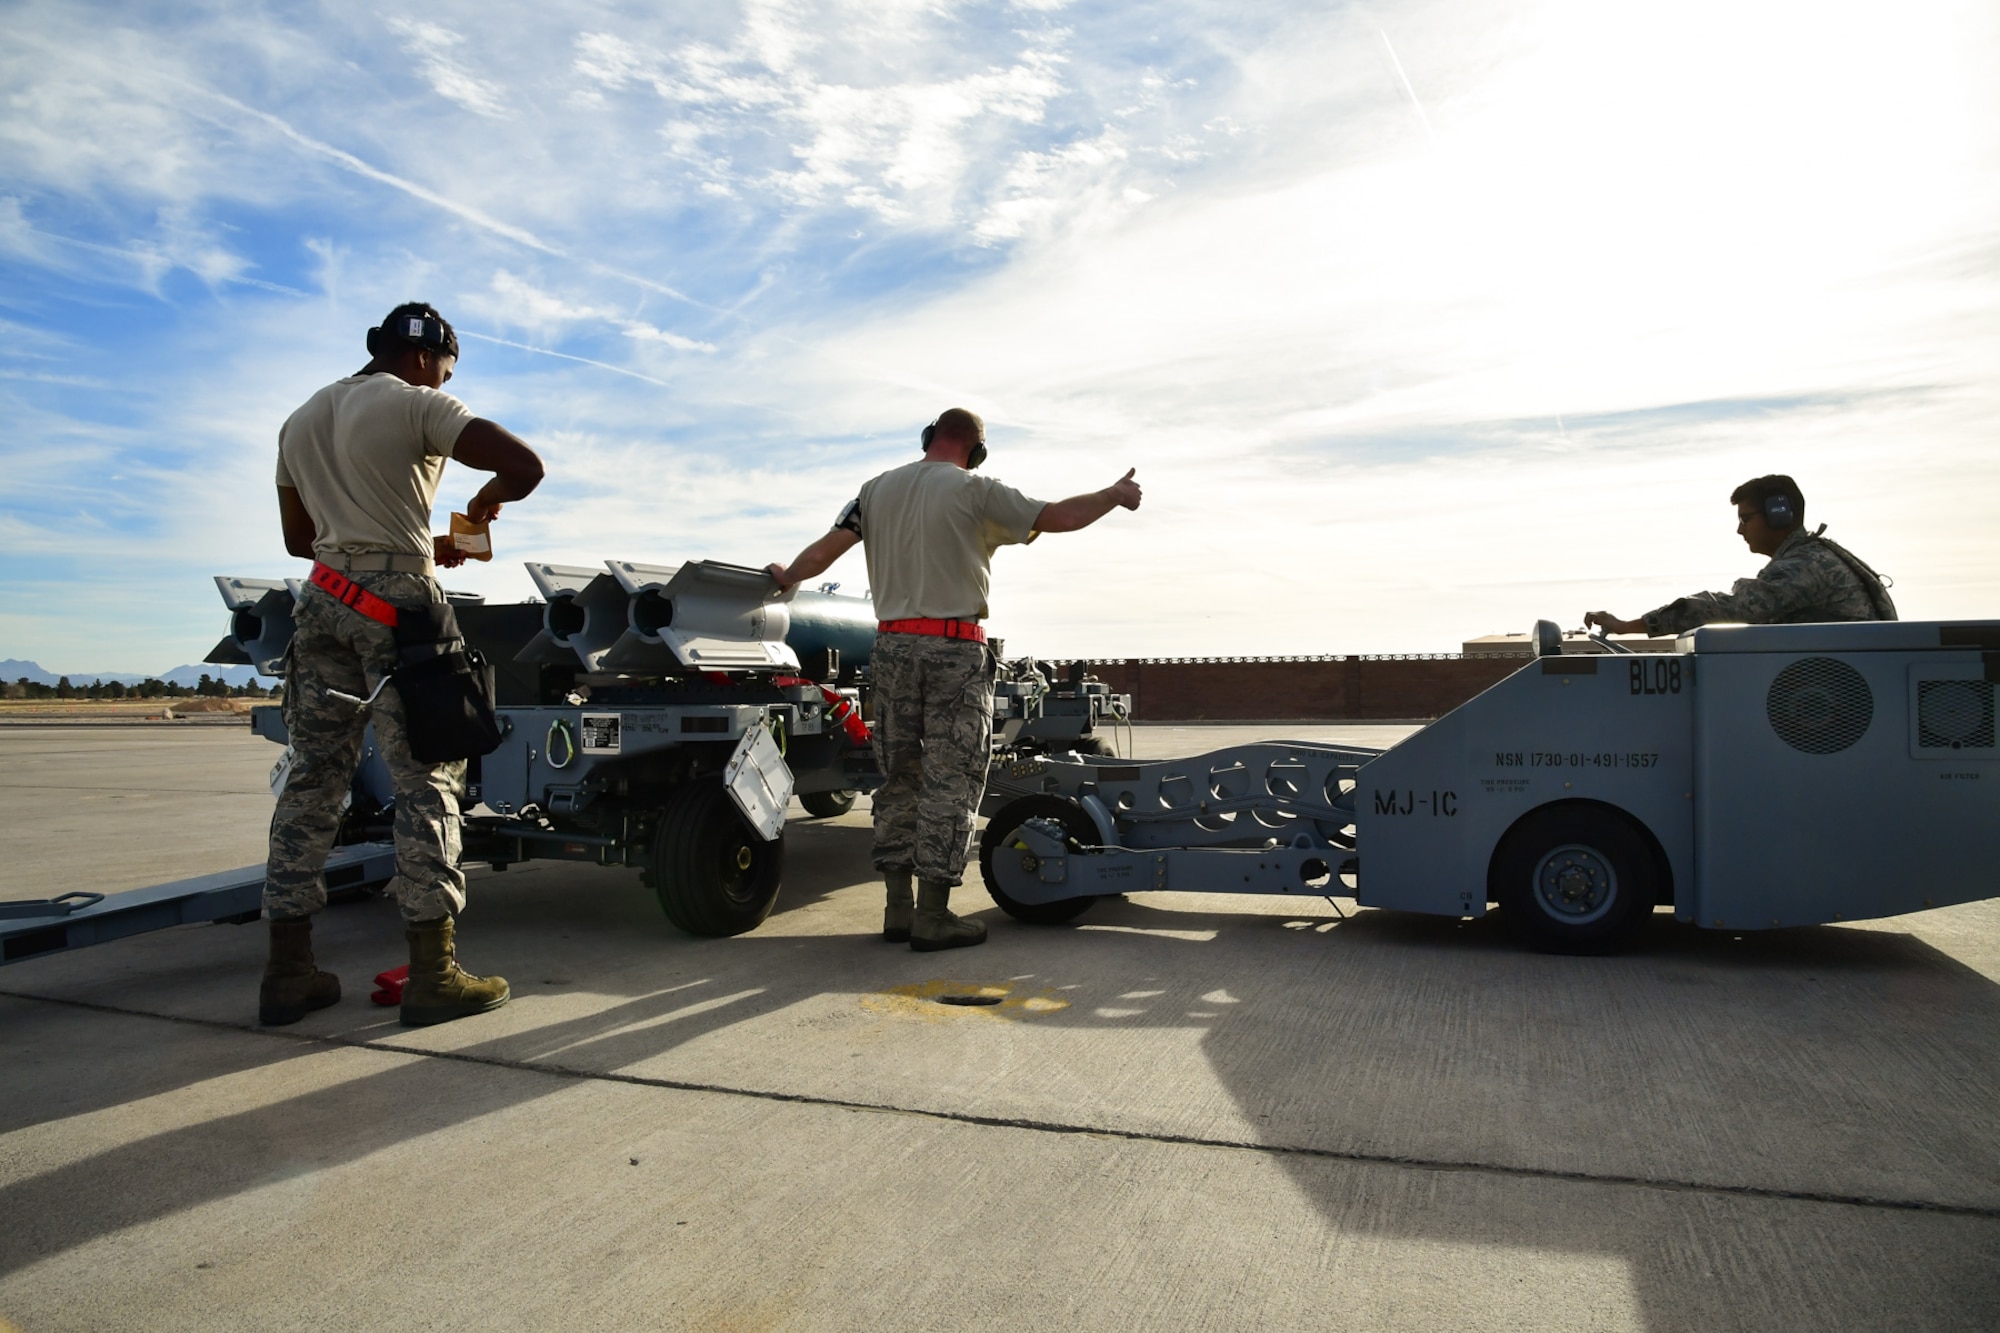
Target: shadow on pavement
{"points": [[1695, 1112], [1694, 1115]]}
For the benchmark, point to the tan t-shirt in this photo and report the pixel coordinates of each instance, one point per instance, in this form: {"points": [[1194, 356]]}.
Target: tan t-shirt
{"points": [[930, 530], [366, 454]]}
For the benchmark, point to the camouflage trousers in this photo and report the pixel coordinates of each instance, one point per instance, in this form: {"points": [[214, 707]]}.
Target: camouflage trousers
{"points": [[933, 739], [341, 649]]}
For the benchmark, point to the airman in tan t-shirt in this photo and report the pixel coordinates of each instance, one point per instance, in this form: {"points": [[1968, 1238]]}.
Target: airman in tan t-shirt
{"points": [[358, 467], [931, 528], [366, 454]]}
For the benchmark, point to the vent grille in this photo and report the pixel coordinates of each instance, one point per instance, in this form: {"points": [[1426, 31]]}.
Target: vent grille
{"points": [[1954, 715], [1820, 705]]}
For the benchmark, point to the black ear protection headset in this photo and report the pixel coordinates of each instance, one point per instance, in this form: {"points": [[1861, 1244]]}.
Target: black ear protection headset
{"points": [[1779, 513], [426, 331], [972, 460]]}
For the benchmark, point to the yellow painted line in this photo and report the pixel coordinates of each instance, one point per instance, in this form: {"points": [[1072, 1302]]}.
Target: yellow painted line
{"points": [[922, 1001]]}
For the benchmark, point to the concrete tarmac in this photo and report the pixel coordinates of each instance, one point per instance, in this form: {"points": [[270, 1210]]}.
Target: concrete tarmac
{"points": [[1185, 1112]]}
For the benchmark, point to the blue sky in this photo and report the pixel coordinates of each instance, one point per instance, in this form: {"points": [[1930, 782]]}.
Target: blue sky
{"points": [[1419, 321]]}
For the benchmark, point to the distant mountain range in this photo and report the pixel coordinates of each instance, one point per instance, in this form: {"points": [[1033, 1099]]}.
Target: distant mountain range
{"points": [[13, 668]]}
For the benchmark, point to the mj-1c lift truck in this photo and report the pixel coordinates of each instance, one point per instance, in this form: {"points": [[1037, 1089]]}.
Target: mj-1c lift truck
{"points": [[1755, 777]]}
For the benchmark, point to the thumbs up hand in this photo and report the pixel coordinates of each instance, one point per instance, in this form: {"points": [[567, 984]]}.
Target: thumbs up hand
{"points": [[1125, 492]]}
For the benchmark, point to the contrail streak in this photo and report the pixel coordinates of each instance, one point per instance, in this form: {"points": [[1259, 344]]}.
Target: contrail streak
{"points": [[1429, 133], [543, 351], [345, 159], [484, 221]]}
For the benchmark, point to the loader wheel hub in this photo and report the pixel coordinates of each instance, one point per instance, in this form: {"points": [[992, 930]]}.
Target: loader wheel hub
{"points": [[1575, 883]]}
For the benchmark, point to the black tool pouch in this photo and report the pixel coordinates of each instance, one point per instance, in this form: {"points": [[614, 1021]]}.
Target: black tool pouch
{"points": [[446, 687]]}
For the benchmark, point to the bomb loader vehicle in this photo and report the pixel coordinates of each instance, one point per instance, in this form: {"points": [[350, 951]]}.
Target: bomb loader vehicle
{"points": [[1755, 777]]}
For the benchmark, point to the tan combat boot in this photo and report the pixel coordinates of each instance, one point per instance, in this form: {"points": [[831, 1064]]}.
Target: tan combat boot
{"points": [[293, 987], [439, 990], [934, 927], [902, 903]]}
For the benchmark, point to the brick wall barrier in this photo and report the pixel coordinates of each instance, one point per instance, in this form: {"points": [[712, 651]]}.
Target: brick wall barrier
{"points": [[1273, 688]]}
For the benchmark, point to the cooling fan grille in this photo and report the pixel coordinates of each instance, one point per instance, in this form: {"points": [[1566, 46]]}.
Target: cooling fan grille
{"points": [[1820, 705]]}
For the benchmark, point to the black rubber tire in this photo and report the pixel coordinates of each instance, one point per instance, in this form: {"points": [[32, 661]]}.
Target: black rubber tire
{"points": [[1077, 828], [828, 804], [713, 874], [1576, 878]]}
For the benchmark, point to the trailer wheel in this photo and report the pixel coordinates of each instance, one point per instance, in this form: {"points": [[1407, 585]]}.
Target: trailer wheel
{"points": [[999, 838], [1575, 878], [828, 804], [713, 874]]}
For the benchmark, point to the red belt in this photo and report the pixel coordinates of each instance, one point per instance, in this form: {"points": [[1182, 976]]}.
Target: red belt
{"points": [[938, 629], [349, 593]]}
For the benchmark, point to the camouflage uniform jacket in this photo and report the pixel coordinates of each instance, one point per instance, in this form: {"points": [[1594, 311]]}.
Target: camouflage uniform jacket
{"points": [[1809, 579]]}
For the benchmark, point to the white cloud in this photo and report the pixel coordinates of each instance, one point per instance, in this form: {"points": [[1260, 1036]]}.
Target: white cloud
{"points": [[518, 301], [911, 150], [25, 341], [512, 301], [173, 241], [1045, 193], [18, 237], [647, 333], [433, 46], [609, 59]]}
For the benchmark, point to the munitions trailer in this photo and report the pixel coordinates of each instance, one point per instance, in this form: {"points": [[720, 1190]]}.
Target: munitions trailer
{"points": [[660, 717]]}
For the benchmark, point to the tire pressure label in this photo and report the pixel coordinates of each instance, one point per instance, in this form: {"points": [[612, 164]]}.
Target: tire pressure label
{"points": [[1410, 801], [600, 732]]}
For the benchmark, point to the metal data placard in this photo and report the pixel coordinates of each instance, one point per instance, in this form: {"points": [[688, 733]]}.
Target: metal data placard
{"points": [[602, 732], [759, 782]]}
